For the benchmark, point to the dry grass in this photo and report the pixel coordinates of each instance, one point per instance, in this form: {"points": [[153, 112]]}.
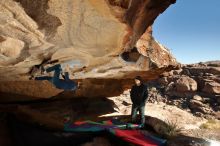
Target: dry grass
{"points": [[211, 124], [171, 129]]}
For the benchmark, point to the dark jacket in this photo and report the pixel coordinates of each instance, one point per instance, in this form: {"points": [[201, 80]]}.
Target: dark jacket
{"points": [[65, 84], [139, 95]]}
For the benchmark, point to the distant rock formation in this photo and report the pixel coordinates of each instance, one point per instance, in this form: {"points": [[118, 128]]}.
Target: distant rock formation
{"points": [[194, 87]]}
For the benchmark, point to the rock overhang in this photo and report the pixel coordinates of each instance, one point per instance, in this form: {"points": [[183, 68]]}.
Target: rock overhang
{"points": [[87, 36]]}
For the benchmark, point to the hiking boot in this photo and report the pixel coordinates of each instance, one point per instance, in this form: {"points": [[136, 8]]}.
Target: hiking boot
{"points": [[141, 126]]}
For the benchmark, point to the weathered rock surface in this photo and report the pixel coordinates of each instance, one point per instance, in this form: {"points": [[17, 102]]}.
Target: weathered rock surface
{"points": [[185, 84], [198, 98], [89, 34], [212, 88], [94, 38], [198, 106], [193, 87]]}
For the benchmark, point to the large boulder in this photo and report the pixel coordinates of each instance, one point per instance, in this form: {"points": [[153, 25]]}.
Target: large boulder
{"points": [[198, 106], [97, 39], [180, 86], [185, 84], [211, 88]]}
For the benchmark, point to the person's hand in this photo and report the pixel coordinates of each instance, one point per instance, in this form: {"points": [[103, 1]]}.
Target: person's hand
{"points": [[79, 84], [42, 70]]}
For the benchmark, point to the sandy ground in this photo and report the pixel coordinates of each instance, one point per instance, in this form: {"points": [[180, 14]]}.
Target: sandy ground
{"points": [[189, 123]]}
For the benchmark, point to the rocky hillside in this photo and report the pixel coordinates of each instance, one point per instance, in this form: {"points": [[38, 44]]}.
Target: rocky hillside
{"points": [[194, 87]]}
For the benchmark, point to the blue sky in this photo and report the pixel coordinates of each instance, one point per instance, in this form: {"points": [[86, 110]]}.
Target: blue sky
{"points": [[191, 30]]}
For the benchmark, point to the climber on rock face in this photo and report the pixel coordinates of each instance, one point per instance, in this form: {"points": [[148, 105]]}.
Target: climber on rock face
{"points": [[65, 83], [139, 94]]}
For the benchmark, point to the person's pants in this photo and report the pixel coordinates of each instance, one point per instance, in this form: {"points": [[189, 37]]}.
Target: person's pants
{"points": [[139, 109], [56, 77]]}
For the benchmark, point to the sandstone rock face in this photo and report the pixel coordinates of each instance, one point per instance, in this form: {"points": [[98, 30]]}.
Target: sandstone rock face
{"points": [[212, 88], [181, 87], [96, 39], [198, 106], [198, 98], [89, 34]]}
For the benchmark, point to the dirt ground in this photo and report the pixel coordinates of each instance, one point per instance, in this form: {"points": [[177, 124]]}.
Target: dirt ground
{"points": [[189, 124]]}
